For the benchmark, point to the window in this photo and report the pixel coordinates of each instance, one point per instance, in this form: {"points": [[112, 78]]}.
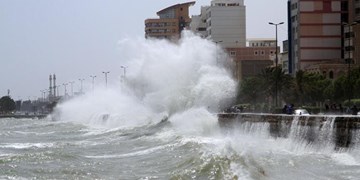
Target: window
{"points": [[256, 52], [331, 75], [232, 53], [327, 6]]}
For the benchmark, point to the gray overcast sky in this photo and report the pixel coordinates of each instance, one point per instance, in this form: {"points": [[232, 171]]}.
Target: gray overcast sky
{"points": [[78, 38]]}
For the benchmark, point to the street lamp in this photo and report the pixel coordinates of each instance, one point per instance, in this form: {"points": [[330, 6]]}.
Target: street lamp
{"points": [[81, 84], [93, 79], [276, 59], [65, 92], [107, 72], [349, 59], [42, 95], [124, 68], [72, 91], [57, 90], [217, 56]]}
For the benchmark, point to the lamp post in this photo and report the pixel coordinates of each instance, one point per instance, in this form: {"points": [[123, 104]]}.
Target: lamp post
{"points": [[107, 72], [124, 68], [57, 89], [72, 91], [276, 59], [42, 95], [349, 59], [93, 80], [217, 56], [81, 85], [65, 92]]}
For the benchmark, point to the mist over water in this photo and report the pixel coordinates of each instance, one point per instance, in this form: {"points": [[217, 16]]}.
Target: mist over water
{"points": [[163, 79]]}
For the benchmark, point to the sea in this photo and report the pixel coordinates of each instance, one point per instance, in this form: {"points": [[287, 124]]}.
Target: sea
{"points": [[160, 122]]}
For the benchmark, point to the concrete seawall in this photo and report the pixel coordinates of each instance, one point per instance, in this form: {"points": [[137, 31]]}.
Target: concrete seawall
{"points": [[343, 129]]}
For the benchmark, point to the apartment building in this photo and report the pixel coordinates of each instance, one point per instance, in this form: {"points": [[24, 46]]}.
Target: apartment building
{"points": [[198, 23], [251, 60], [315, 34], [172, 20], [224, 22], [352, 33]]}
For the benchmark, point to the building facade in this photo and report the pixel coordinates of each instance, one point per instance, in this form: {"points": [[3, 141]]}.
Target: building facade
{"points": [[172, 20], [226, 22], [352, 33], [223, 22], [198, 23], [316, 32], [250, 61]]}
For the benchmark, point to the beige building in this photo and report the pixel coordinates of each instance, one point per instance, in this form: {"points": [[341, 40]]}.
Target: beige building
{"points": [[250, 61], [223, 22], [172, 20]]}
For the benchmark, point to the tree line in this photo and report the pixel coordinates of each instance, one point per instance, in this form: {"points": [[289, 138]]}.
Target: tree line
{"points": [[305, 89], [7, 105]]}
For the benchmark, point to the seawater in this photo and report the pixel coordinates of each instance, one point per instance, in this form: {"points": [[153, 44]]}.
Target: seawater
{"points": [[47, 149], [161, 123]]}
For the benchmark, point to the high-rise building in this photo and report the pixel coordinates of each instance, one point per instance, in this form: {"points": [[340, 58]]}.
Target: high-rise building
{"points": [[315, 32], [172, 20], [223, 22], [352, 33]]}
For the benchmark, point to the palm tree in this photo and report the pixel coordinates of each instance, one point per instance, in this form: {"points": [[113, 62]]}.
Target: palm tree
{"points": [[275, 82]]}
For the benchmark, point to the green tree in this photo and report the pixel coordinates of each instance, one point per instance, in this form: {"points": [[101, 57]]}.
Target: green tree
{"points": [[7, 104], [251, 91], [275, 81]]}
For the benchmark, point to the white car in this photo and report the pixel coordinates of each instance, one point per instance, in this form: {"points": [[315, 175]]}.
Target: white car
{"points": [[301, 112]]}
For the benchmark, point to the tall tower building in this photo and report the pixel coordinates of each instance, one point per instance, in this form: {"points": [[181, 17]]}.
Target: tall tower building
{"points": [[316, 32], [226, 22], [172, 20], [352, 33]]}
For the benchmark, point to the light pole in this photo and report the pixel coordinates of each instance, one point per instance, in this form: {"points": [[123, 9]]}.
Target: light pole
{"points": [[42, 95], [349, 59], [81, 85], [276, 59], [65, 92], [93, 80], [124, 68], [107, 72], [57, 89], [217, 56], [72, 91]]}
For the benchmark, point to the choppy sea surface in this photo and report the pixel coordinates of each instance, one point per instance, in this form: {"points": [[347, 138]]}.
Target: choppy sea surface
{"points": [[48, 149], [118, 131]]}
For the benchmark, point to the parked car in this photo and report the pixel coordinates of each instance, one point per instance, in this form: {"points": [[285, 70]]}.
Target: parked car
{"points": [[301, 112]]}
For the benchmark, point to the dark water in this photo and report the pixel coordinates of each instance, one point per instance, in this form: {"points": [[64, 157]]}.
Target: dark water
{"points": [[47, 149]]}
